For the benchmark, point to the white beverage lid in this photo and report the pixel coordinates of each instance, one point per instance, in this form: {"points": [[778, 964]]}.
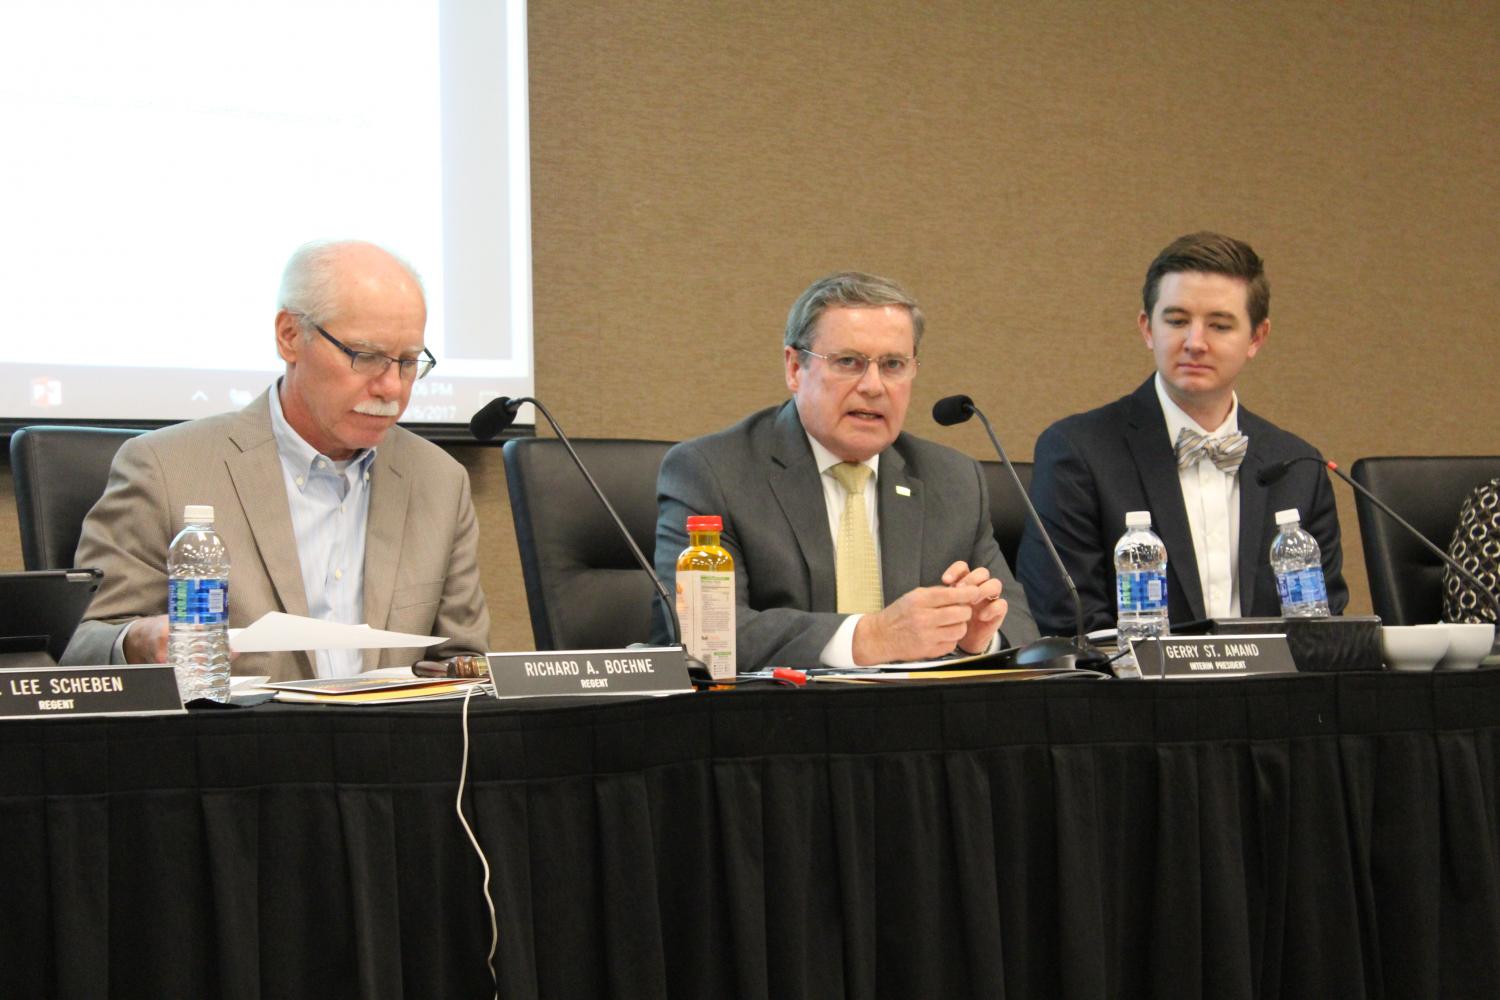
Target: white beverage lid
{"points": [[1287, 517], [198, 513], [1138, 519]]}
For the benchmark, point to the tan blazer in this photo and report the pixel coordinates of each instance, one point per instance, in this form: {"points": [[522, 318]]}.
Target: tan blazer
{"points": [[421, 544]]}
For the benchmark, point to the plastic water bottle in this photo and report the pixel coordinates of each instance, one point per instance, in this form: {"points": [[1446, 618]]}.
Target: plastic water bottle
{"points": [[1140, 586], [198, 608], [1298, 564]]}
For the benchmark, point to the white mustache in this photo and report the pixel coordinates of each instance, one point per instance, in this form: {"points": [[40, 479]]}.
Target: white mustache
{"points": [[378, 407]]}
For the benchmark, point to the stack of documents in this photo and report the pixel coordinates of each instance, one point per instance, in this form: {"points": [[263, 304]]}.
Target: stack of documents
{"points": [[374, 688], [278, 631]]}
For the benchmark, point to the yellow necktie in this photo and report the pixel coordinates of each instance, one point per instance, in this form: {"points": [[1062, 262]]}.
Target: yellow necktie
{"points": [[857, 569]]}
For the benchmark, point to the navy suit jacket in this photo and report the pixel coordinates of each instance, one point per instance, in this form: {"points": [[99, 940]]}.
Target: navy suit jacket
{"points": [[1091, 468], [760, 476]]}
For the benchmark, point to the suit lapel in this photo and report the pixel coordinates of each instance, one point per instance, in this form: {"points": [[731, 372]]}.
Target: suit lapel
{"points": [[390, 491], [1254, 544], [261, 488], [901, 520], [258, 480], [1147, 440], [794, 478]]}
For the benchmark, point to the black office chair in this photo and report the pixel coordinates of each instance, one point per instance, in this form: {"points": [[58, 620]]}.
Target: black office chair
{"points": [[59, 473], [1007, 509], [1406, 580], [583, 587]]}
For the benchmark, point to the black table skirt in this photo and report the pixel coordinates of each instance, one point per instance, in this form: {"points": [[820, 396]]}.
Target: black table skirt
{"points": [[1315, 836]]}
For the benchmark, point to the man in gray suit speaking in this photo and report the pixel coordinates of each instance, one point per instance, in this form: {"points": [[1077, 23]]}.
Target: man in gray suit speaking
{"points": [[327, 508], [853, 542]]}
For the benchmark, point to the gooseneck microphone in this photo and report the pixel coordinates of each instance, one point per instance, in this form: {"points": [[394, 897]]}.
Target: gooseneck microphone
{"points": [[951, 410], [1276, 470], [498, 414]]}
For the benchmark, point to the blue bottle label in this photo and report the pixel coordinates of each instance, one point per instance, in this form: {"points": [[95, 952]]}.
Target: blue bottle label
{"points": [[1141, 591], [1303, 586], [198, 602]]}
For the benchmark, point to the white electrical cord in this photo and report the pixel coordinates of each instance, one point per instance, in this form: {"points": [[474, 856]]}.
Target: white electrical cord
{"points": [[483, 861]]}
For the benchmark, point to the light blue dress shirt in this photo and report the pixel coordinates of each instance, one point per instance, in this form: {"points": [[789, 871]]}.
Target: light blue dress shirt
{"points": [[330, 504]]}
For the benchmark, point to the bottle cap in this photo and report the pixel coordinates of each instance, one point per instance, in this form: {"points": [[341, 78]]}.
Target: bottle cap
{"points": [[1138, 519], [198, 513], [705, 522], [1288, 517]]}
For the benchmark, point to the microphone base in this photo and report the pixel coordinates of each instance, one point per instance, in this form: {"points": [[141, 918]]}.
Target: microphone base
{"points": [[699, 673], [1055, 651], [1093, 659]]}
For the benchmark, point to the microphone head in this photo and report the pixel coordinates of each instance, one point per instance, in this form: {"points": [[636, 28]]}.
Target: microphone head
{"points": [[952, 410], [493, 417]]}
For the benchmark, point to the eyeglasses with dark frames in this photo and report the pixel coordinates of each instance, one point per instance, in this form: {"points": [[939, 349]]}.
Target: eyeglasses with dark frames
{"points": [[372, 364]]}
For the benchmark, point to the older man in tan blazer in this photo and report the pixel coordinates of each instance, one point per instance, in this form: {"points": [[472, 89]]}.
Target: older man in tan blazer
{"points": [[325, 506]]}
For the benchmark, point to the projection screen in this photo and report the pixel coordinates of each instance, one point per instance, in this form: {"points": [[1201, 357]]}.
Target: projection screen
{"points": [[165, 158]]}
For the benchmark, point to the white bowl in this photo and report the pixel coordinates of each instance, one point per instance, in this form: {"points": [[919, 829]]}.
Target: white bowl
{"points": [[1413, 647], [1467, 645]]}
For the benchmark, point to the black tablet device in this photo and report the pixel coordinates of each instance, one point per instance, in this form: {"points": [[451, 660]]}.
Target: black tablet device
{"points": [[39, 610]]}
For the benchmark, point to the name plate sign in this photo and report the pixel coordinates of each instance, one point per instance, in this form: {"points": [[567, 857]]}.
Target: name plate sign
{"points": [[42, 692], [1214, 656], [649, 670]]}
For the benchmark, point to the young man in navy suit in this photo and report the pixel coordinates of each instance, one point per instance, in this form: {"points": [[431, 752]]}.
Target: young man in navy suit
{"points": [[1182, 447]]}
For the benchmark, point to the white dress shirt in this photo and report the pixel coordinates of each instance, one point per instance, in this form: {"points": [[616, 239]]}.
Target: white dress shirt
{"points": [[1212, 500], [330, 505]]}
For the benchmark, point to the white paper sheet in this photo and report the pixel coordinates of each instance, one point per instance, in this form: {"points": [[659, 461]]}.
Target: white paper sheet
{"points": [[277, 631]]}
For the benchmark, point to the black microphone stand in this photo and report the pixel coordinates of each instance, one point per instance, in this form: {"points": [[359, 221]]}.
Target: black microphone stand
{"points": [[1085, 656], [510, 405]]}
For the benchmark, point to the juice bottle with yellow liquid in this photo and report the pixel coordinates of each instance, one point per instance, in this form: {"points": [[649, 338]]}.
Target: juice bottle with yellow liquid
{"points": [[705, 597]]}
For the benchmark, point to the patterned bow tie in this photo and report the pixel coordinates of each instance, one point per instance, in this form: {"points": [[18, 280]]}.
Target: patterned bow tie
{"points": [[1225, 452]]}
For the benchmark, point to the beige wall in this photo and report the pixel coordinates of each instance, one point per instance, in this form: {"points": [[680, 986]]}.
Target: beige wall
{"points": [[695, 165]]}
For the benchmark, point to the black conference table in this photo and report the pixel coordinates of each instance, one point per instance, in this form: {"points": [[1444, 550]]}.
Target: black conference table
{"points": [[1318, 835]]}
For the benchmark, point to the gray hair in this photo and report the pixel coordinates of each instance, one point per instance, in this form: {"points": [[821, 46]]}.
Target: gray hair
{"points": [[309, 285], [847, 288]]}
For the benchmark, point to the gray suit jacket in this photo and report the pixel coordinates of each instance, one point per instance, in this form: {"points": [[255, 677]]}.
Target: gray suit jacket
{"points": [[760, 476], [421, 543]]}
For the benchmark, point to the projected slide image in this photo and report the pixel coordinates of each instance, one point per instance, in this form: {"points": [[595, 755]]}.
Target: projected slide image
{"points": [[165, 159]]}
